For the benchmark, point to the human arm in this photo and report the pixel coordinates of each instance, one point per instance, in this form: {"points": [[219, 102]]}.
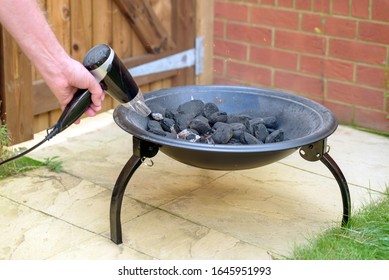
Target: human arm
{"points": [[25, 21]]}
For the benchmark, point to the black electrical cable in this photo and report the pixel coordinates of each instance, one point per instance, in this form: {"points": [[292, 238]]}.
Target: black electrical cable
{"points": [[49, 135]]}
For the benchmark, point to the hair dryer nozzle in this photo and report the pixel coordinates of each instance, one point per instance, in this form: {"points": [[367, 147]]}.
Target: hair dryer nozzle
{"points": [[138, 105]]}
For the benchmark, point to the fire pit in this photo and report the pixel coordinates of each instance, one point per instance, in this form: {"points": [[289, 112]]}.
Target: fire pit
{"points": [[306, 126]]}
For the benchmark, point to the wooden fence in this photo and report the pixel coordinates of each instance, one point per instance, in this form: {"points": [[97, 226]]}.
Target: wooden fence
{"points": [[138, 30]]}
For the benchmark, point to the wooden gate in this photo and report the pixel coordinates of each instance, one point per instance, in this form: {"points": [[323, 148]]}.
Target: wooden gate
{"points": [[139, 31]]}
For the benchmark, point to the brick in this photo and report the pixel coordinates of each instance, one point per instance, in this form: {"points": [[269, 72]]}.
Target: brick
{"points": [[304, 5], [372, 119], [322, 6], [375, 32], [268, 2], [299, 83], [285, 3], [232, 11], [300, 42], [380, 10], [230, 49], [218, 28], [274, 58], [275, 17], [341, 7], [218, 66], [328, 68], [248, 33], [371, 76], [354, 94], [217, 80], [255, 74], [360, 8], [343, 112], [334, 26], [357, 51]]}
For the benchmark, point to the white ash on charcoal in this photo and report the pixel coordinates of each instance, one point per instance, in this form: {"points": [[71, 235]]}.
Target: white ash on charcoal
{"points": [[157, 116], [197, 122]]}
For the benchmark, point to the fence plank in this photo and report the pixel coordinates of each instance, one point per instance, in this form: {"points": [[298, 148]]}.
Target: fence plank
{"points": [[43, 100], [146, 25], [184, 34], [204, 28], [16, 88], [103, 32], [80, 28], [59, 17]]}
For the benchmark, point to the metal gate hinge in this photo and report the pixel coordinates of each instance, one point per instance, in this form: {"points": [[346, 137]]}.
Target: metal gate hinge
{"points": [[192, 57]]}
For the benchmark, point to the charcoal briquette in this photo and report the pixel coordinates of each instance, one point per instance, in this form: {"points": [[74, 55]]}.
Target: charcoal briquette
{"points": [[218, 117], [239, 119], [219, 124], [270, 122], [170, 114], [201, 125], [249, 139], [209, 109], [192, 108], [171, 135], [252, 123], [260, 132], [275, 136], [234, 141], [155, 127], [156, 108], [202, 118], [183, 120], [168, 124], [222, 134], [237, 129]]}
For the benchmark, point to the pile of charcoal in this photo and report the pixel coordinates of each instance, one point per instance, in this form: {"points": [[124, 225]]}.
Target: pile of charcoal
{"points": [[197, 122]]}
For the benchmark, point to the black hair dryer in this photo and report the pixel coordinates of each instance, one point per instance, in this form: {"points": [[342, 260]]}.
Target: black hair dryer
{"points": [[114, 78]]}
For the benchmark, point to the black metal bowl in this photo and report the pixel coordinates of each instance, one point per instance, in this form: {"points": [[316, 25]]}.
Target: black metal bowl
{"points": [[303, 121]]}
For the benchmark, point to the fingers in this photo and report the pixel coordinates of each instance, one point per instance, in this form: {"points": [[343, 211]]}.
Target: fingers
{"points": [[92, 110], [75, 76], [82, 78], [97, 93]]}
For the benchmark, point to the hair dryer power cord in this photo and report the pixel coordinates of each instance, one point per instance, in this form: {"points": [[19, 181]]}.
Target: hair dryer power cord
{"points": [[54, 131]]}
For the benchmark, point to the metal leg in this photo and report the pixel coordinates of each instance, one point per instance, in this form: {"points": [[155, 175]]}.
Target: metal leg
{"points": [[117, 197], [317, 151], [142, 149], [335, 170]]}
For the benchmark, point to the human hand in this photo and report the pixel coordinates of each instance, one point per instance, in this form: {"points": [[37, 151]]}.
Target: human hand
{"points": [[74, 76]]}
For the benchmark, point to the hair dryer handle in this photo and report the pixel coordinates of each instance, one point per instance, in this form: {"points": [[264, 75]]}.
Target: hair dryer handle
{"points": [[74, 110]]}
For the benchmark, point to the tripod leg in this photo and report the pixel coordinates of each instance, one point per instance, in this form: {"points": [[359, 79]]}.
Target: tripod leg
{"points": [[317, 151], [117, 197], [335, 170]]}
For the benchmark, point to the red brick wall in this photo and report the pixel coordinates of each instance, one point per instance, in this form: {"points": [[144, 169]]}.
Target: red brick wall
{"points": [[333, 51]]}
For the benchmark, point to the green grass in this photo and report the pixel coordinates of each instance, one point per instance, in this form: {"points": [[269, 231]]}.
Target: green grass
{"points": [[22, 164], [365, 238], [18, 166]]}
